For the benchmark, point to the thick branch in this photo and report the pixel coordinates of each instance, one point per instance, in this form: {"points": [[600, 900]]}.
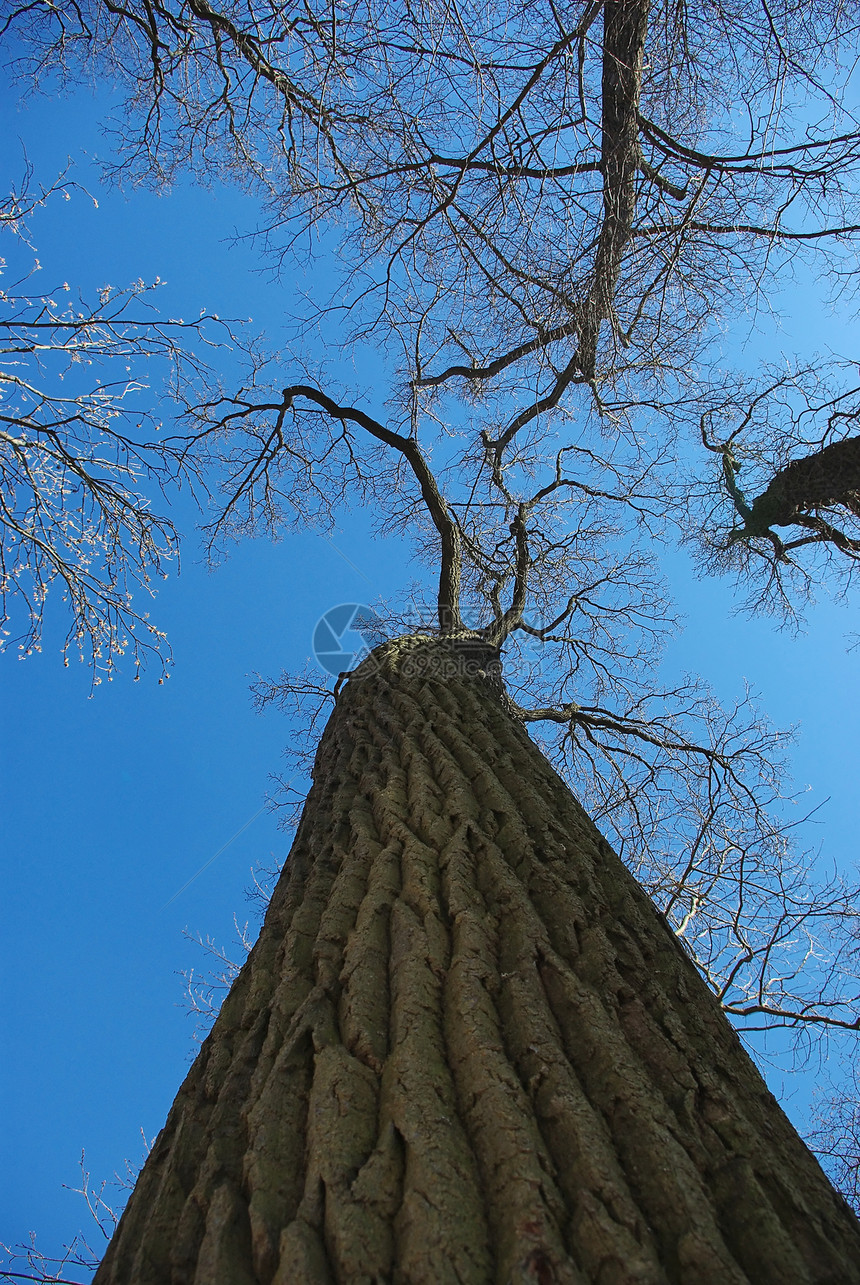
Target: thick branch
{"points": [[450, 620], [498, 632], [826, 477], [624, 29]]}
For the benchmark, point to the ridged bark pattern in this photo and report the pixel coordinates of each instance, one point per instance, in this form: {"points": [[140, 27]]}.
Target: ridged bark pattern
{"points": [[467, 1049]]}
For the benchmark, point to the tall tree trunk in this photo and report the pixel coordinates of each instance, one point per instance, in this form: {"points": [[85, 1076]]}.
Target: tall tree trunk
{"points": [[467, 1049]]}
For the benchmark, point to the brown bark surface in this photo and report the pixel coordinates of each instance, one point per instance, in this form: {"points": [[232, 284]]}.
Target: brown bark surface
{"points": [[467, 1049]]}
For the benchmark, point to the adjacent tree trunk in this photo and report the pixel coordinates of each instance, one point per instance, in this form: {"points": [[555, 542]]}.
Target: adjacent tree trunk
{"points": [[467, 1049], [828, 476]]}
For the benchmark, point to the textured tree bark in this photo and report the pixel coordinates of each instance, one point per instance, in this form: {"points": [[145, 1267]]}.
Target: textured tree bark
{"points": [[467, 1049], [828, 476]]}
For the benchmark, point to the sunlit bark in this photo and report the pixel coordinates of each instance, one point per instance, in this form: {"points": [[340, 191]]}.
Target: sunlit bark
{"points": [[466, 1048]]}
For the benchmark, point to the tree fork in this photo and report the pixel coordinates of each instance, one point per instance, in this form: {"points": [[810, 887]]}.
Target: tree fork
{"points": [[466, 1048]]}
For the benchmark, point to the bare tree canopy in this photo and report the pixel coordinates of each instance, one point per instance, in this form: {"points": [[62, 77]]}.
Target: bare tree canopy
{"points": [[543, 217], [787, 438], [81, 464]]}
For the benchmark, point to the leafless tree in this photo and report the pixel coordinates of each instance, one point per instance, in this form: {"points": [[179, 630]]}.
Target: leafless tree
{"points": [[205, 991], [104, 1201], [542, 216], [836, 1135], [81, 461], [780, 508]]}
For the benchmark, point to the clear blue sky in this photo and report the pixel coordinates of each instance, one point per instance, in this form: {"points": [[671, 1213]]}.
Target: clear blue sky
{"points": [[110, 804]]}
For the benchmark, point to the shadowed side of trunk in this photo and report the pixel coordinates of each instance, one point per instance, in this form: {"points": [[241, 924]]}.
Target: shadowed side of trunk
{"points": [[827, 477], [466, 1048]]}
